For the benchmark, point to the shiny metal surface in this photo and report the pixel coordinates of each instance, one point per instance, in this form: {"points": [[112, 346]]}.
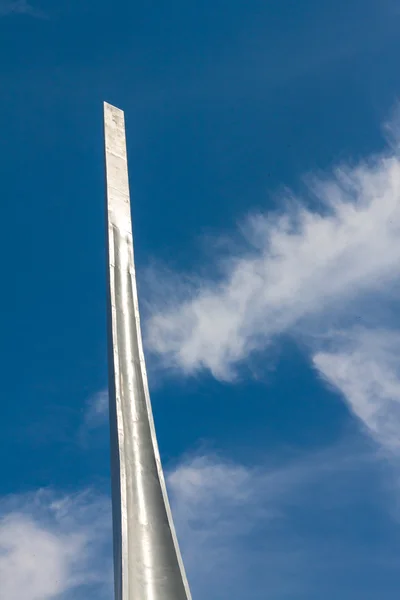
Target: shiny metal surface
{"points": [[147, 560]]}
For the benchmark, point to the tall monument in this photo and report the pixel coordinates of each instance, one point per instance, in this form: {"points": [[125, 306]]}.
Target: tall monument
{"points": [[147, 560]]}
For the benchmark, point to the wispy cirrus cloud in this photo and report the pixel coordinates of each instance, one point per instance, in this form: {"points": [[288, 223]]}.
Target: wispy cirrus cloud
{"points": [[363, 366], [20, 7], [244, 532], [277, 530], [300, 265], [323, 269], [96, 410], [219, 506], [95, 417]]}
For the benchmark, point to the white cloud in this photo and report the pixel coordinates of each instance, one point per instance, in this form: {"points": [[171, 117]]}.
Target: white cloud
{"points": [[244, 532], [96, 412], [254, 532], [54, 547], [95, 416], [363, 366], [218, 506], [299, 265]]}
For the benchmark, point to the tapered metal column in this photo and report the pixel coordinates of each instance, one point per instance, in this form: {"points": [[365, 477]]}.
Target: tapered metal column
{"points": [[147, 560]]}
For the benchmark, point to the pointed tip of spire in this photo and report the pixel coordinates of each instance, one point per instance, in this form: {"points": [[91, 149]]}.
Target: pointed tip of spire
{"points": [[111, 107]]}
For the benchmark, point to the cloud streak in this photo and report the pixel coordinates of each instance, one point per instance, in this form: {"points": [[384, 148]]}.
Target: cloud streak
{"points": [[20, 7], [96, 410], [300, 265], [244, 532], [363, 366], [274, 530]]}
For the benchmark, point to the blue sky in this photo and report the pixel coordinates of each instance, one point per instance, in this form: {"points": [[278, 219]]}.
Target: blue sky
{"points": [[264, 149]]}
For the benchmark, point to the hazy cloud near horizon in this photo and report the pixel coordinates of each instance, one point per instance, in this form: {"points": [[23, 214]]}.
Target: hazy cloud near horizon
{"points": [[233, 521]]}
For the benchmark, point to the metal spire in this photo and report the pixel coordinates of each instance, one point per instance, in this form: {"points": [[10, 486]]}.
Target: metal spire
{"points": [[147, 560]]}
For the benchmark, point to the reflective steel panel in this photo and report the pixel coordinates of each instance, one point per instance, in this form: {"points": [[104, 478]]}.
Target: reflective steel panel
{"points": [[147, 560]]}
